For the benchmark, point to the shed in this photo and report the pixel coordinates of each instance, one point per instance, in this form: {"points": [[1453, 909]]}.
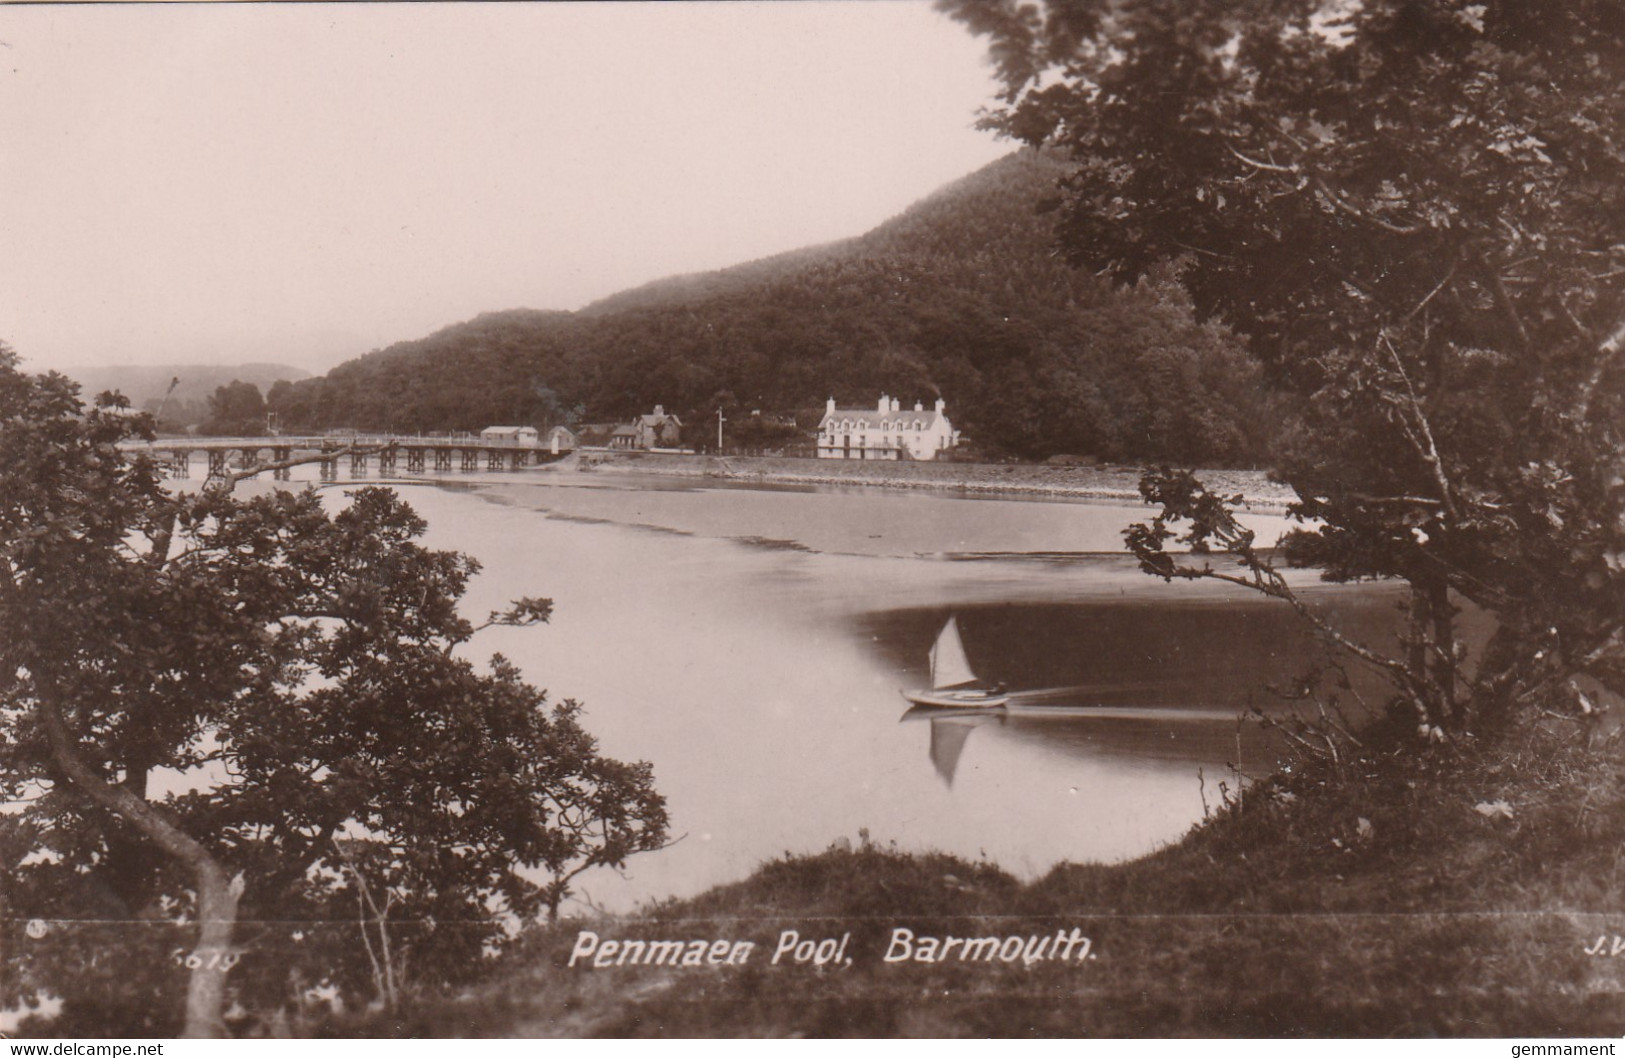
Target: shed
{"points": [[521, 435]]}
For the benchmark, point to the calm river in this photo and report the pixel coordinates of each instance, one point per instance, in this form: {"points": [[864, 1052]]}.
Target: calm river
{"points": [[751, 644]]}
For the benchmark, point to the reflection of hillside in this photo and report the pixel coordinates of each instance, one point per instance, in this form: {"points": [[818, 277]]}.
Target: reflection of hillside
{"points": [[1139, 651]]}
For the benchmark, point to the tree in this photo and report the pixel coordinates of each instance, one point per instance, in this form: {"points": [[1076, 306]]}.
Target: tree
{"points": [[212, 704], [236, 410], [1413, 211]]}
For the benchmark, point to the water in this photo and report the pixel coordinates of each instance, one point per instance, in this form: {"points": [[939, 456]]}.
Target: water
{"points": [[751, 644]]}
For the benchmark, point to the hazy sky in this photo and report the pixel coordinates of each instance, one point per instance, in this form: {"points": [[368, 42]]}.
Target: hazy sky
{"points": [[307, 182]]}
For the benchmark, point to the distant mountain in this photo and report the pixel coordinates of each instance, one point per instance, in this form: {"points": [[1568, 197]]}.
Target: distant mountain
{"points": [[961, 296], [148, 386]]}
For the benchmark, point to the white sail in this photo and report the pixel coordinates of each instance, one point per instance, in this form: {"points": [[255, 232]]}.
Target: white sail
{"points": [[949, 666]]}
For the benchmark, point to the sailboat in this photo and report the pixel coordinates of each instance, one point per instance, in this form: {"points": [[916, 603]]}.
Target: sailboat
{"points": [[953, 684]]}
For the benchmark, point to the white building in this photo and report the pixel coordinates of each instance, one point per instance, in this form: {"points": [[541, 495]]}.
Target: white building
{"points": [[885, 431], [519, 435]]}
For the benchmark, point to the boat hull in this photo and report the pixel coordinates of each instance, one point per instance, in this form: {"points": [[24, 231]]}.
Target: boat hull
{"points": [[961, 699]]}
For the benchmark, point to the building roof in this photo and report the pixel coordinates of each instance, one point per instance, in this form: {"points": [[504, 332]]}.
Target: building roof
{"points": [[870, 419], [659, 420], [624, 431]]}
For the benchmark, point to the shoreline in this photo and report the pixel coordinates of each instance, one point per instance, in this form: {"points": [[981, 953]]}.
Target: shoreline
{"points": [[1115, 484]]}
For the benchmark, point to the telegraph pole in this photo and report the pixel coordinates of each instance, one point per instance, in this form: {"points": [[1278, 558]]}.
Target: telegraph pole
{"points": [[720, 421]]}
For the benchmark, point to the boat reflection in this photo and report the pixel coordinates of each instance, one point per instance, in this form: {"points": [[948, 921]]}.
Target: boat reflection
{"points": [[1171, 682], [1217, 737]]}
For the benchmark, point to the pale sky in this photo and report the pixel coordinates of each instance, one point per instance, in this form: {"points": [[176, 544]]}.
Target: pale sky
{"points": [[303, 183]]}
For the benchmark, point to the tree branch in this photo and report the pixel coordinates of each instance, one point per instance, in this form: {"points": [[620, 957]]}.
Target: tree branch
{"points": [[1608, 349], [1352, 210], [1267, 166], [216, 895], [1430, 450], [227, 483]]}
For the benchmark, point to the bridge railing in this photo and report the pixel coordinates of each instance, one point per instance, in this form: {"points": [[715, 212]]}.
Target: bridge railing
{"points": [[317, 442]]}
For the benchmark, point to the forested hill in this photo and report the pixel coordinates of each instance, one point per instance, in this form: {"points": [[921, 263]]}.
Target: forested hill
{"points": [[960, 296]]}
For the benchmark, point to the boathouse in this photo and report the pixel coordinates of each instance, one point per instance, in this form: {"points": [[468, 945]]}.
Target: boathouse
{"points": [[520, 435]]}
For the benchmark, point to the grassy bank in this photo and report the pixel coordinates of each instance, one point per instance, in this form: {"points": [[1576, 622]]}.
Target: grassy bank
{"points": [[1451, 892]]}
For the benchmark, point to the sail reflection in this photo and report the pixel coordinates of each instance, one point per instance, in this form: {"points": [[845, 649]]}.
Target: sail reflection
{"points": [[948, 737]]}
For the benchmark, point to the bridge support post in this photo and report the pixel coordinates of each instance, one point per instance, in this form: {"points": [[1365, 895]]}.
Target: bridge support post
{"points": [[180, 463], [358, 464], [280, 455], [442, 459], [471, 459], [414, 460], [330, 464], [217, 465], [386, 461], [493, 459], [517, 460]]}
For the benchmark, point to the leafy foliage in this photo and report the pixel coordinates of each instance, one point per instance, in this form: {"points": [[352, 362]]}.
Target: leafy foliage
{"points": [[208, 702], [1413, 211], [236, 410], [960, 296]]}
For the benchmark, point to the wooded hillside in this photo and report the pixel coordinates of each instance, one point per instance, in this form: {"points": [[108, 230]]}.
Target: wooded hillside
{"points": [[961, 296]]}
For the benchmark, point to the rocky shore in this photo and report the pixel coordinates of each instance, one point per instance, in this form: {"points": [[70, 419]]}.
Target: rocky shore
{"points": [[1105, 482]]}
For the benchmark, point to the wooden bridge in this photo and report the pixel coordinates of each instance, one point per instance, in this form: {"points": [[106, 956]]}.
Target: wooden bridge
{"points": [[422, 453]]}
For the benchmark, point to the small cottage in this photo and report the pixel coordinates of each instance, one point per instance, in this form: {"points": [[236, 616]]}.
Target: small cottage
{"points": [[658, 430]]}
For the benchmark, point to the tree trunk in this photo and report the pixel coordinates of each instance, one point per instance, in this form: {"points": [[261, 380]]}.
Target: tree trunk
{"points": [[1418, 631], [216, 894], [1443, 613], [1432, 650], [217, 918]]}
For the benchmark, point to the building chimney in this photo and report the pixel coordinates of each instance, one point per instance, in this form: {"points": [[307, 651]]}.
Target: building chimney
{"points": [[829, 409], [896, 405], [885, 404], [941, 404], [660, 409], [918, 406]]}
